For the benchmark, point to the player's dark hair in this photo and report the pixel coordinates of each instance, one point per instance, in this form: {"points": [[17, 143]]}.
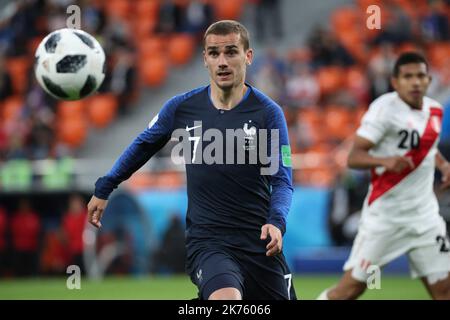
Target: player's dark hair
{"points": [[406, 58], [225, 27]]}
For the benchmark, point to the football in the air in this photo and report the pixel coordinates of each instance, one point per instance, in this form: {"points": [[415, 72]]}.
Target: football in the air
{"points": [[69, 64]]}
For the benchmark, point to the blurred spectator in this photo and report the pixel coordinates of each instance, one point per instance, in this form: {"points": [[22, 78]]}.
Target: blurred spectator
{"points": [[199, 15], [326, 50], [41, 139], [94, 18], [73, 224], [268, 20], [268, 73], [436, 26], [5, 80], [398, 27], [25, 232], [3, 240], [269, 81], [302, 88], [380, 69], [53, 259], [170, 17], [123, 80]]}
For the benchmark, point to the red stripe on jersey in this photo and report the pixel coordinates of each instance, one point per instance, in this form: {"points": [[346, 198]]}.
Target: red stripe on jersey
{"points": [[383, 183]]}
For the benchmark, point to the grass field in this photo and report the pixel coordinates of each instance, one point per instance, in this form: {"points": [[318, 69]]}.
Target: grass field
{"points": [[180, 287]]}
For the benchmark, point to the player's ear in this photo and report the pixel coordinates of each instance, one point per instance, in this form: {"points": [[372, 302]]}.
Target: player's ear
{"points": [[249, 56], [394, 82], [204, 59]]}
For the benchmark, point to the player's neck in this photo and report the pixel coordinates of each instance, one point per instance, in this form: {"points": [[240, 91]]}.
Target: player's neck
{"points": [[415, 106], [227, 99]]}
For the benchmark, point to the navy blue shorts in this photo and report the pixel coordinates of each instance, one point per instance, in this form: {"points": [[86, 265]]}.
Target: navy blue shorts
{"points": [[256, 276]]}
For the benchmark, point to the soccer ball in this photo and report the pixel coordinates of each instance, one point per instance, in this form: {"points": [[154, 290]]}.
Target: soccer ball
{"points": [[69, 64]]}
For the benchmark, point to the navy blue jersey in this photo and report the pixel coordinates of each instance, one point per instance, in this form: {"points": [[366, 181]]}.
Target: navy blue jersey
{"points": [[227, 203]]}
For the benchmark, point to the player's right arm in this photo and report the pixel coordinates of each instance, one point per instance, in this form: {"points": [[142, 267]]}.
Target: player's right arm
{"points": [[360, 158], [150, 141], [374, 126]]}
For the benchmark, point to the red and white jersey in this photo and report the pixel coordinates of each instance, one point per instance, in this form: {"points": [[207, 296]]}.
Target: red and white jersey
{"points": [[398, 130]]}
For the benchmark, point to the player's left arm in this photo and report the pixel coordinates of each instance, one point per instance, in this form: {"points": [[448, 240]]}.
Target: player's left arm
{"points": [[444, 167], [280, 181]]}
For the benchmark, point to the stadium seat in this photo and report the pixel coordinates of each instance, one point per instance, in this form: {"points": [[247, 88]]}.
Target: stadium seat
{"points": [[72, 131], [11, 108], [154, 71], [181, 49], [152, 45], [230, 9], [71, 109], [169, 180], [337, 122], [147, 8], [439, 54], [18, 69], [357, 83], [118, 8], [102, 109], [299, 55], [330, 79], [143, 27], [346, 19]]}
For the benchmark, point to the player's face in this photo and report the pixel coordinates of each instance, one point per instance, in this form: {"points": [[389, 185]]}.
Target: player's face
{"points": [[412, 83], [226, 60]]}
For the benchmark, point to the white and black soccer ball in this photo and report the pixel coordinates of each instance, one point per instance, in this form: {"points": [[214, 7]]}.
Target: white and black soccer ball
{"points": [[69, 64]]}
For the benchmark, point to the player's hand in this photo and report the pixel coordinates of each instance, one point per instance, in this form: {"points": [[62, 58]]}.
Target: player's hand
{"points": [[445, 172], [96, 207], [276, 239], [398, 164]]}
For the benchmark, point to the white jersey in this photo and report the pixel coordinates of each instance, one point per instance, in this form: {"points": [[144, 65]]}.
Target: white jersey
{"points": [[398, 130]]}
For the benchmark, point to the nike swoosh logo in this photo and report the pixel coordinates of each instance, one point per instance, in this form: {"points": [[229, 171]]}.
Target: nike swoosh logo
{"points": [[192, 128]]}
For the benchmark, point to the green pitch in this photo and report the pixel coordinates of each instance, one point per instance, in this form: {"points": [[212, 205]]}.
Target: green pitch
{"points": [[180, 287]]}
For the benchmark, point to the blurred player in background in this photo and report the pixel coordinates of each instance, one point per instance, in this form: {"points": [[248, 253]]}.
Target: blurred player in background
{"points": [[397, 141], [236, 216]]}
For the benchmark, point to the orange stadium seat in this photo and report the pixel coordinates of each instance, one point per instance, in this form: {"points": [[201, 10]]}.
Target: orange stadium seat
{"points": [[181, 49], [70, 109], [346, 19], [299, 55], [102, 109], [439, 54], [143, 27], [169, 180], [72, 131], [18, 69], [230, 9], [118, 8], [154, 71], [147, 8], [330, 79], [11, 108], [152, 45], [337, 122]]}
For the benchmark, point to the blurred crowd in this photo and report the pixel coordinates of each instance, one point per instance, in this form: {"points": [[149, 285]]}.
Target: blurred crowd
{"points": [[326, 85], [33, 125], [32, 242]]}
